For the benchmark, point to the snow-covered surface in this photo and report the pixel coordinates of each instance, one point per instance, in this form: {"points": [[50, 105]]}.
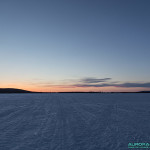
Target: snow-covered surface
{"points": [[73, 121]]}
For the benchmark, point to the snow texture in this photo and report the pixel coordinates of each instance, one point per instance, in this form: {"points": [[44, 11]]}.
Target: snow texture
{"points": [[78, 121]]}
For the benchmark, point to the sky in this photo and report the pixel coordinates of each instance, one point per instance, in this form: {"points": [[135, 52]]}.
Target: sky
{"points": [[75, 45]]}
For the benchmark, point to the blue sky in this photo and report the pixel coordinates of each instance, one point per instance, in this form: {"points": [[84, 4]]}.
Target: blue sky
{"points": [[60, 42]]}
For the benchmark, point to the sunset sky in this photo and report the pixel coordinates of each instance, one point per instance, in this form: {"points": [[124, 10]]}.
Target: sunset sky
{"points": [[75, 45]]}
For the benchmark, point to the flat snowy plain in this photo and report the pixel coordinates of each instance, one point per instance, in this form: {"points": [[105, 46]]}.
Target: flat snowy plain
{"points": [[81, 121]]}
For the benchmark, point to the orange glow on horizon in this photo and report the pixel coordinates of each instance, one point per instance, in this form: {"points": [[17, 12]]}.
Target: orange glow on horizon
{"points": [[71, 88]]}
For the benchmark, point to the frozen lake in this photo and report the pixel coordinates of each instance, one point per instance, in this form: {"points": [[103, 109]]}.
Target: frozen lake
{"points": [[83, 121]]}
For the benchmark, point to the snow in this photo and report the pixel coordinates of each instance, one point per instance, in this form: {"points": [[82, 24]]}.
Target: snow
{"points": [[81, 121]]}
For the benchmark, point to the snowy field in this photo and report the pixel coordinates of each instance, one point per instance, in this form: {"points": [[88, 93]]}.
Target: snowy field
{"points": [[84, 121]]}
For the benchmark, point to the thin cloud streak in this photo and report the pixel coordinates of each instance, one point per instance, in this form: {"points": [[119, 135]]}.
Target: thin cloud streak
{"points": [[128, 85], [125, 85], [92, 85], [94, 80], [91, 82]]}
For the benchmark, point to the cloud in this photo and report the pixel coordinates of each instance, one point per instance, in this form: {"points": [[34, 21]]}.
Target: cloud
{"points": [[72, 82], [128, 85], [93, 85], [90, 82], [125, 85], [94, 80]]}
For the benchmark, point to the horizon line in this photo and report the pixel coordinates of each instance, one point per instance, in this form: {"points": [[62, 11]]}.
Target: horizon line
{"points": [[17, 90]]}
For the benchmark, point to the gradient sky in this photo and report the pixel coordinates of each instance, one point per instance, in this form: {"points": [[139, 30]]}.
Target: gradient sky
{"points": [[75, 45]]}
